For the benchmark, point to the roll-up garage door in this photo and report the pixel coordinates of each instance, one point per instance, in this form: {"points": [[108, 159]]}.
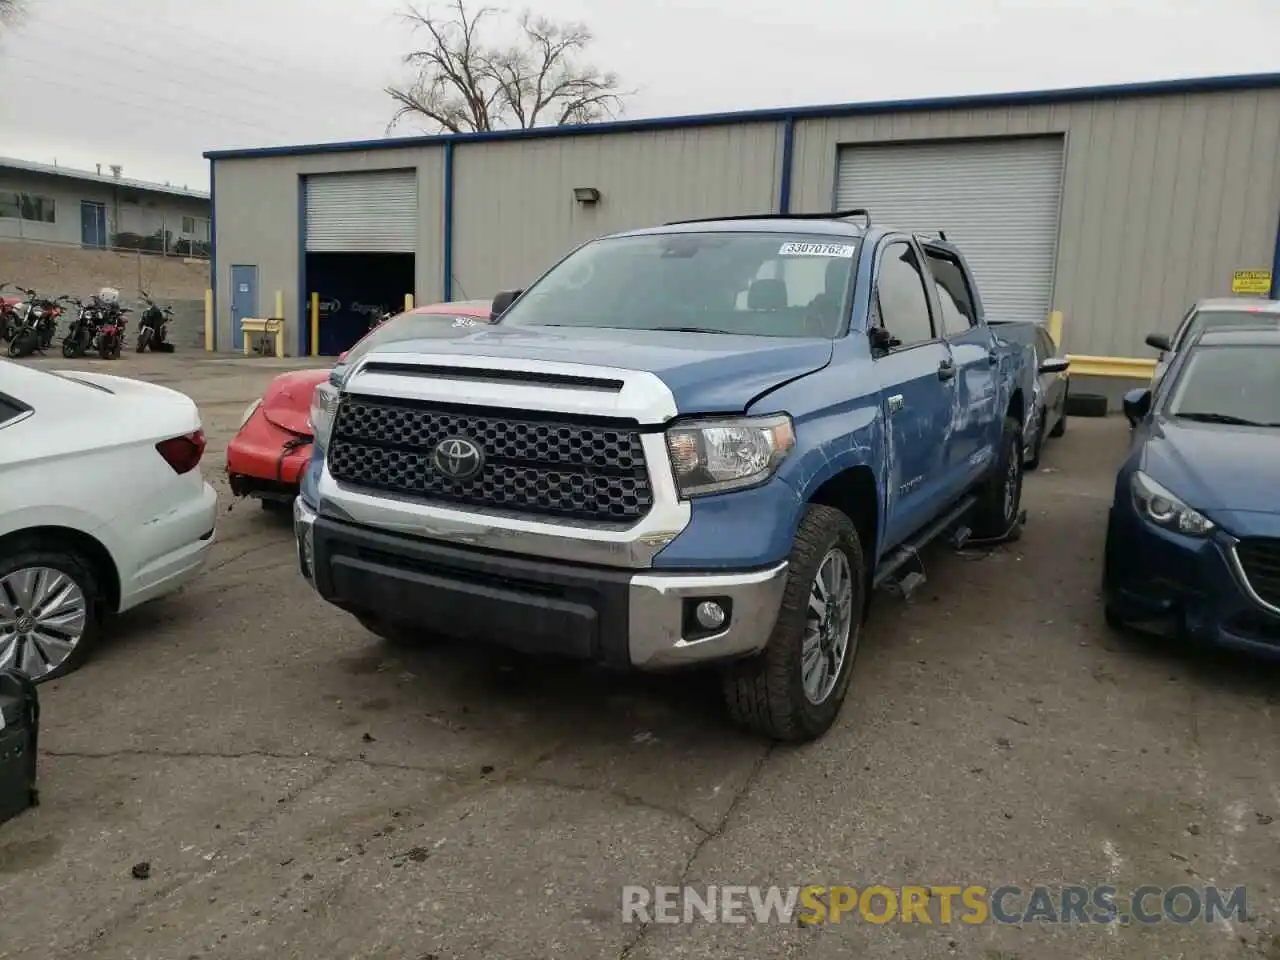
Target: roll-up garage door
{"points": [[362, 212], [997, 200]]}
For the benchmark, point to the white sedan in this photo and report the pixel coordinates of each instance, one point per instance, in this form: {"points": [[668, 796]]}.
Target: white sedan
{"points": [[102, 508]]}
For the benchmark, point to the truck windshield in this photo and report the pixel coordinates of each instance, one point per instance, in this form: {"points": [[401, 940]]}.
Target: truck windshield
{"points": [[758, 284]]}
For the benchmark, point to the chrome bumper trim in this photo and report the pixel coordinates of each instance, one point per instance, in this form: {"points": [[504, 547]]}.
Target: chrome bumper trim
{"points": [[304, 519], [656, 638]]}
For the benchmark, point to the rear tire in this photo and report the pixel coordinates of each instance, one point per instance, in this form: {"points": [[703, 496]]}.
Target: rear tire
{"points": [[767, 694], [1000, 499], [79, 571]]}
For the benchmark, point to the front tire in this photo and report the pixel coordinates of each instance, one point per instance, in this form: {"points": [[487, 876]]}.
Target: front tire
{"points": [[50, 603], [793, 690], [24, 344], [1000, 499]]}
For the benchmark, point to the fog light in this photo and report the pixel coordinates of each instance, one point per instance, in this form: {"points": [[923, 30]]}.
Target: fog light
{"points": [[710, 615]]}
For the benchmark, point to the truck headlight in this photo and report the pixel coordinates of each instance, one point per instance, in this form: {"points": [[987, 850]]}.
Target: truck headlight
{"points": [[1164, 509], [249, 411], [324, 407], [715, 456]]}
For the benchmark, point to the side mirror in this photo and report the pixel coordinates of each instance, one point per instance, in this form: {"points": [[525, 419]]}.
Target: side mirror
{"points": [[1055, 365], [502, 302], [1158, 341], [1137, 404], [881, 339]]}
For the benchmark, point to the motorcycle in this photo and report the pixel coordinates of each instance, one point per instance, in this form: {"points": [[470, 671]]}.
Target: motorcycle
{"points": [[153, 326], [110, 336], [83, 329], [37, 324], [8, 313]]}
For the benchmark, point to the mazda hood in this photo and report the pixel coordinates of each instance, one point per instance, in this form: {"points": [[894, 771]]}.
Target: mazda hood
{"points": [[705, 372], [1216, 467]]}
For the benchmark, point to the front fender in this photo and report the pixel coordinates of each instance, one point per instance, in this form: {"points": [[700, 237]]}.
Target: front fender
{"points": [[757, 527]]}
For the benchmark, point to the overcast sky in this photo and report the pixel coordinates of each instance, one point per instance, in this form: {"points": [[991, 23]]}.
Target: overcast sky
{"points": [[151, 84]]}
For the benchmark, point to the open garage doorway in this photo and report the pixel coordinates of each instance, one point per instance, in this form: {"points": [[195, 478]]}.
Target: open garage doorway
{"points": [[354, 290], [361, 232]]}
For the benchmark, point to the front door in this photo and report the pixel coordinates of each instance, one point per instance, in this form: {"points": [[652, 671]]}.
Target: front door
{"points": [[93, 223], [918, 392], [244, 297]]}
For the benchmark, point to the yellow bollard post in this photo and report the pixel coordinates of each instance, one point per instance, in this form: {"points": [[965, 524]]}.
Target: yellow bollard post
{"points": [[408, 302], [315, 324], [1055, 327], [280, 331], [208, 321]]}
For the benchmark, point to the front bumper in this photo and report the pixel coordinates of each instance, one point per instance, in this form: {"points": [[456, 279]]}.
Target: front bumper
{"points": [[618, 618], [1183, 586]]}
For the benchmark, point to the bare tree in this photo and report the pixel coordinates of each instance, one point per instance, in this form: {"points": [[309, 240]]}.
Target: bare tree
{"points": [[465, 83]]}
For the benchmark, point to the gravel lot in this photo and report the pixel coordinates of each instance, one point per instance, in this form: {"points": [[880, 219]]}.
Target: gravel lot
{"points": [[301, 790]]}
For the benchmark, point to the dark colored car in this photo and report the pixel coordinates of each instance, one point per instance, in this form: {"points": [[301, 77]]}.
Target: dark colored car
{"points": [[1045, 380], [1193, 541]]}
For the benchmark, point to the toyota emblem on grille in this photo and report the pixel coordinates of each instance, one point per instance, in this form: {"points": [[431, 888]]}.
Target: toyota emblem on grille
{"points": [[458, 459]]}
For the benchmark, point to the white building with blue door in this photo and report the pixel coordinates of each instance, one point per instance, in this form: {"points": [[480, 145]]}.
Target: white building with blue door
{"points": [[52, 204]]}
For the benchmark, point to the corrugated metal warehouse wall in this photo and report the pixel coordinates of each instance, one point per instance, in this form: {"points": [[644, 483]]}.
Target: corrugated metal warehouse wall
{"points": [[514, 212], [1162, 197]]}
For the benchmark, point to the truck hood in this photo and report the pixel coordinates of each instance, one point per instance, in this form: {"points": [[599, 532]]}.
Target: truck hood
{"points": [[705, 372]]}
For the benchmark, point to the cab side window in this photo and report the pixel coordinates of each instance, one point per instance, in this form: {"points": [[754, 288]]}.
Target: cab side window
{"points": [[958, 312], [901, 303]]}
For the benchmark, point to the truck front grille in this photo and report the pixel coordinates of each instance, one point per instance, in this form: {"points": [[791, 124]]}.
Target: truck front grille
{"points": [[530, 465], [1260, 560]]}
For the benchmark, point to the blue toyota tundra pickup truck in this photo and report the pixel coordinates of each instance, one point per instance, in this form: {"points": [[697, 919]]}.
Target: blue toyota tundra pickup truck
{"points": [[700, 443]]}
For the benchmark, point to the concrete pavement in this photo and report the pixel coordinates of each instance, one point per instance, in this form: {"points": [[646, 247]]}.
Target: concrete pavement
{"points": [[300, 789]]}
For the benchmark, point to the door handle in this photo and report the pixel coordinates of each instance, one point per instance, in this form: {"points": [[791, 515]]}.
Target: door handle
{"points": [[993, 358], [946, 369]]}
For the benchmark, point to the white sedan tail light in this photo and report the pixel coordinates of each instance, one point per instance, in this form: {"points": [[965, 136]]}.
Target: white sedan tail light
{"points": [[183, 453]]}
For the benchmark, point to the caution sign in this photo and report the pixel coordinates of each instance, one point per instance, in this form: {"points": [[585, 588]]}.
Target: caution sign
{"points": [[1251, 281]]}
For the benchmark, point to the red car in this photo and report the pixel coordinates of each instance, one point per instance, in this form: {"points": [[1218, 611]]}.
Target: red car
{"points": [[269, 452]]}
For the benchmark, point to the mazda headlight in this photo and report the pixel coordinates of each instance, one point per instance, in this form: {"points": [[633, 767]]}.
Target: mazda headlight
{"points": [[324, 407], [715, 456], [1164, 509], [249, 411]]}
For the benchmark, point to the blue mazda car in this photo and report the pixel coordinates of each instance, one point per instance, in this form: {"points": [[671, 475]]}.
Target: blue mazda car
{"points": [[1193, 539]]}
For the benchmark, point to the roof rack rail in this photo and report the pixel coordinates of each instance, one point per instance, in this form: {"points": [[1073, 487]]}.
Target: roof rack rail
{"points": [[836, 215], [930, 234]]}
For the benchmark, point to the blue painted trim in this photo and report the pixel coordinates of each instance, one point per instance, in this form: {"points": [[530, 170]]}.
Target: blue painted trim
{"points": [[1257, 81], [213, 246], [788, 153], [447, 252], [304, 306], [1275, 267]]}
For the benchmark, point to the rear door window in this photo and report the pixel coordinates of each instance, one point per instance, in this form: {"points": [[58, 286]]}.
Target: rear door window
{"points": [[11, 409], [958, 313]]}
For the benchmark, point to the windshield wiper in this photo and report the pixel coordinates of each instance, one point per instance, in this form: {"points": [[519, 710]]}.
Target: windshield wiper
{"points": [[688, 329], [1221, 418]]}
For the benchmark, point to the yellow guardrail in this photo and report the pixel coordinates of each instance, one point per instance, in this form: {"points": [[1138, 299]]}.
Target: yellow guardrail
{"points": [[1122, 368], [1125, 368], [268, 326]]}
